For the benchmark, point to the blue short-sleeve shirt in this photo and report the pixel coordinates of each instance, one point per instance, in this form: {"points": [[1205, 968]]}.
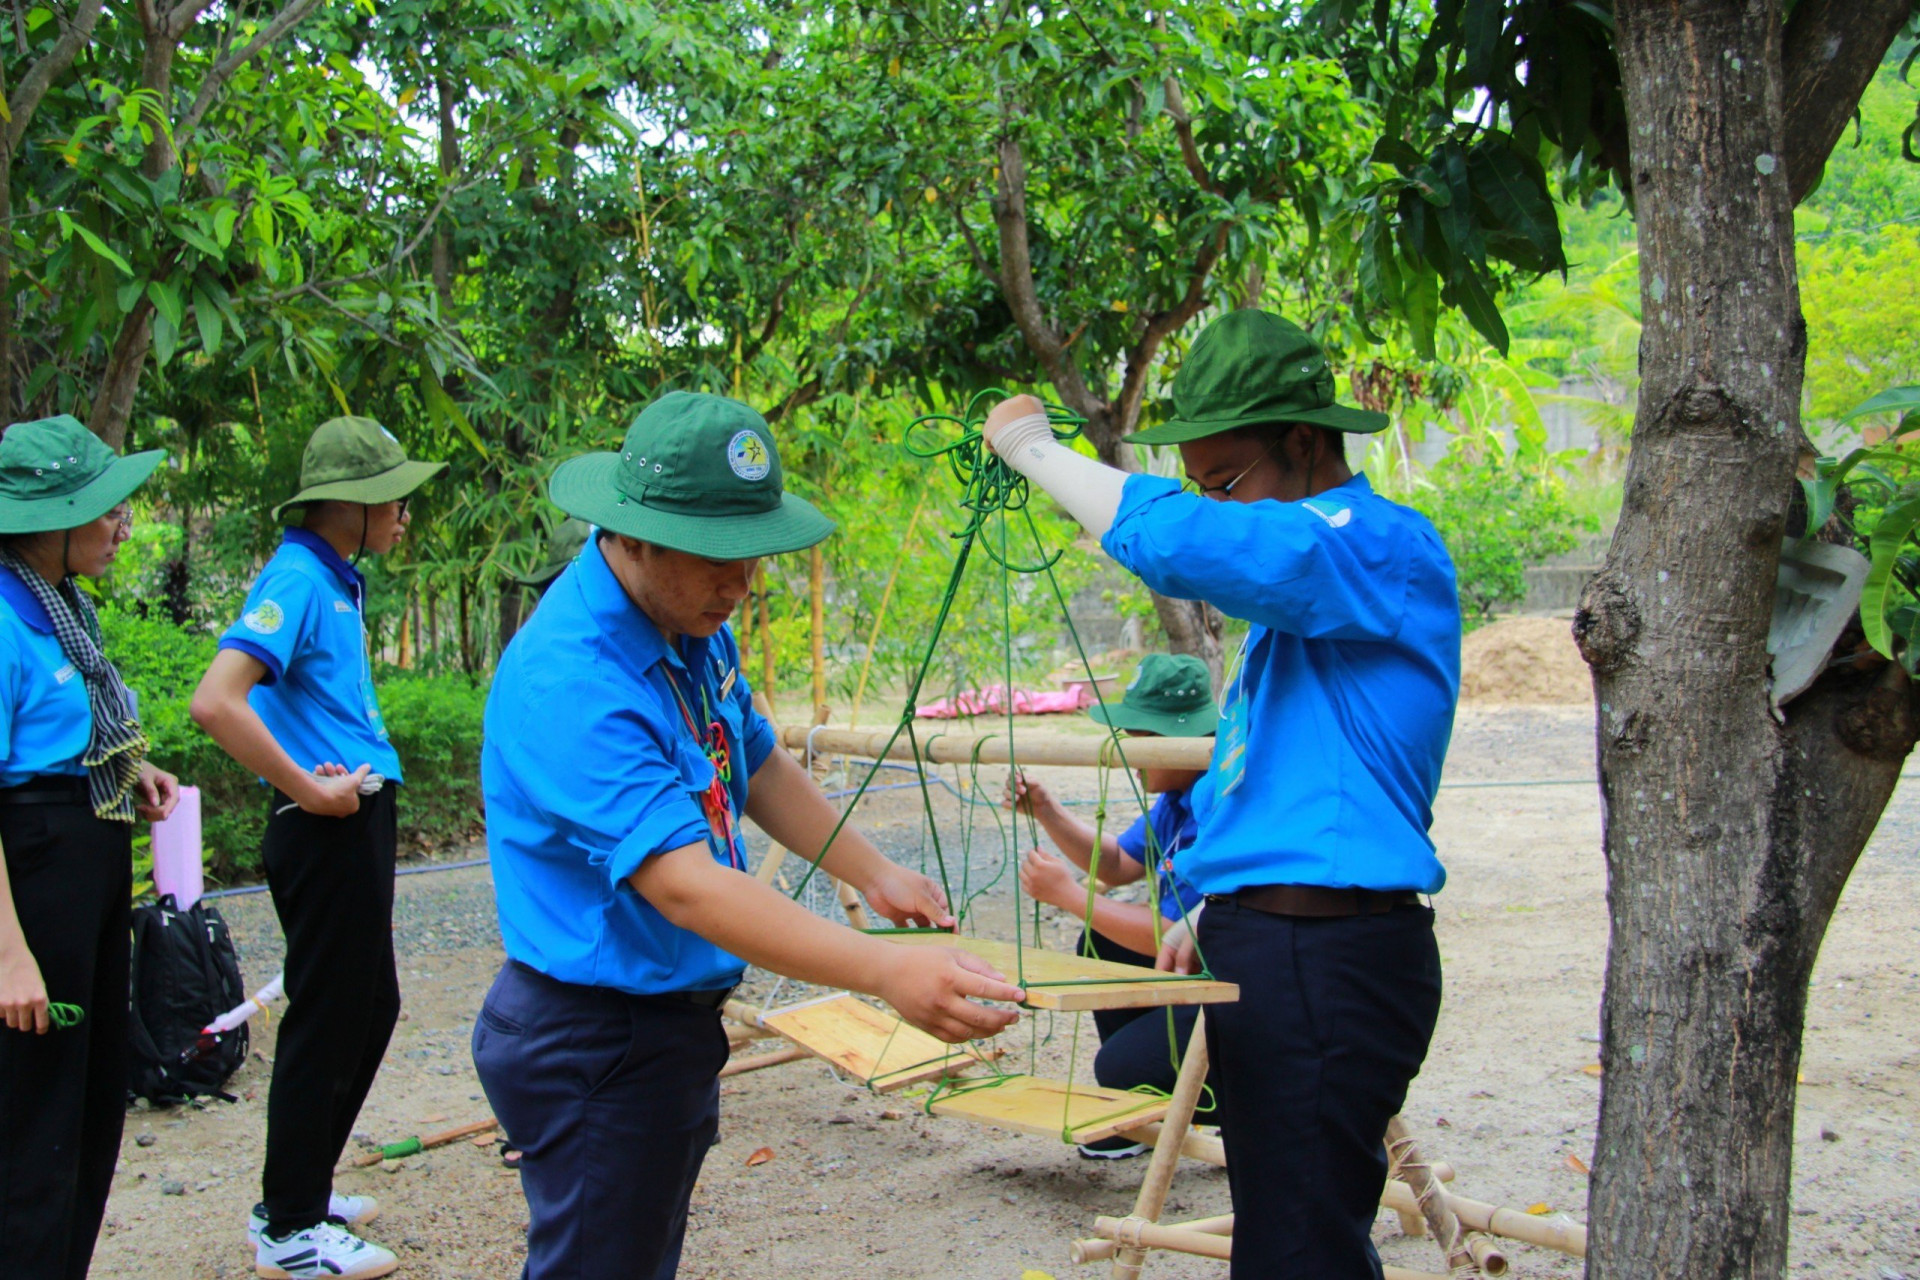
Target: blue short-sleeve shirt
{"points": [[303, 621], [1173, 826], [1339, 705], [590, 766], [45, 722]]}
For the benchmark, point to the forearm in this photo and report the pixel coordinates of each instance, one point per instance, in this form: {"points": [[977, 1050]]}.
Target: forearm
{"points": [[13, 939], [783, 801], [238, 730], [1087, 488], [759, 924]]}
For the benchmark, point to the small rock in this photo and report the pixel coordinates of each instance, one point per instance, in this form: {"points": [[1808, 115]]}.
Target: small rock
{"points": [[1479, 1093], [1443, 1123], [841, 1120], [405, 1016], [365, 1139], [891, 1114], [145, 1140], [1888, 1273], [1828, 1134], [172, 1187], [1010, 1198]]}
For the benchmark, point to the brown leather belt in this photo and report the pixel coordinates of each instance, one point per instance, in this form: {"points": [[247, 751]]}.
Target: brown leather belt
{"points": [[1319, 902]]}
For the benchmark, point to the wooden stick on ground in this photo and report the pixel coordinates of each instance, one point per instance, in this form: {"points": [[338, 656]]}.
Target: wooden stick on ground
{"points": [[1429, 1198], [757, 1061], [1510, 1224], [410, 1146], [1166, 1151]]}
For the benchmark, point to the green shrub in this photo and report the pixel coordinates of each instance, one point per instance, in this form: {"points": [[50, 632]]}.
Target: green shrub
{"points": [[1496, 517], [434, 722]]}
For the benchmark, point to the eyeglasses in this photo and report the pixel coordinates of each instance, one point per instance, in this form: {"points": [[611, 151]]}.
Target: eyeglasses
{"points": [[1225, 491], [403, 506], [122, 515]]}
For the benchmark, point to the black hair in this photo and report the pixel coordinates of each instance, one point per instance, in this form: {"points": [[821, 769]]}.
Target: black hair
{"points": [[1271, 435]]}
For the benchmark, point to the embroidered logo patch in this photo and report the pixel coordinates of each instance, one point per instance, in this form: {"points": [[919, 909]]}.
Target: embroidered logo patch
{"points": [[265, 618], [1337, 519], [747, 455]]}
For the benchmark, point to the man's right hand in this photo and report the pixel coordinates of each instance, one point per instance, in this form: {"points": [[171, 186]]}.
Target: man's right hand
{"points": [[23, 993], [335, 792], [1010, 410], [1027, 796], [1178, 954], [931, 986]]}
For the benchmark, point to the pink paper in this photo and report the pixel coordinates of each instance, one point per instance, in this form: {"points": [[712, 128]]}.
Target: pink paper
{"points": [[176, 851]]}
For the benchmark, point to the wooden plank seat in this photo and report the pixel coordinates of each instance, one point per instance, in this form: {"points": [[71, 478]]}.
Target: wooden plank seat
{"points": [[873, 1046], [1058, 980], [1030, 1104]]}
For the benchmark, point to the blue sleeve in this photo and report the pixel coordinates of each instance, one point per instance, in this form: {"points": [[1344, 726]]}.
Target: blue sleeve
{"points": [[1329, 567], [10, 690], [1133, 841], [279, 621], [619, 785]]}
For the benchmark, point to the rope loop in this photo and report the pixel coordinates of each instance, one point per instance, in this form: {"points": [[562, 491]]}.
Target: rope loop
{"points": [[988, 486]]}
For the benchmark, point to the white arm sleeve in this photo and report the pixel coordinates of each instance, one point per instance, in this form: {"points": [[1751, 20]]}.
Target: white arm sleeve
{"points": [[1088, 489]]}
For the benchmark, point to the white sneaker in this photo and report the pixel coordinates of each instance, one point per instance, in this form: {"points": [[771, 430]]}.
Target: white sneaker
{"points": [[323, 1252], [342, 1211]]}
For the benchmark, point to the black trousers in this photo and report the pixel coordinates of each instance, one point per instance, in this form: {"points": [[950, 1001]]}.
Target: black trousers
{"points": [[613, 1100], [332, 885], [1143, 1046], [1313, 1060], [63, 1095]]}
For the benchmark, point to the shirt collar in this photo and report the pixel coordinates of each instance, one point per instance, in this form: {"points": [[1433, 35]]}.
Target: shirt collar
{"points": [[354, 580], [24, 602], [616, 613]]}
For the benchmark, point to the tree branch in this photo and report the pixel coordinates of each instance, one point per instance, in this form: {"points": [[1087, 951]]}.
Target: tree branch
{"points": [[33, 86], [289, 17], [1017, 286], [1830, 51], [1183, 131]]}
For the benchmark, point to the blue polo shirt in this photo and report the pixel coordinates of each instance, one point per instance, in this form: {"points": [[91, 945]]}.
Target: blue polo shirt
{"points": [[45, 722], [589, 768], [303, 621], [1339, 705], [1173, 828]]}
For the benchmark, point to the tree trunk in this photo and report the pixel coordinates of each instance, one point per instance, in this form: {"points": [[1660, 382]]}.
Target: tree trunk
{"points": [[1728, 834]]}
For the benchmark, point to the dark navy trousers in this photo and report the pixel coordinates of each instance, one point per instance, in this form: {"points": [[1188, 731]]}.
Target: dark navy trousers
{"points": [[1143, 1046], [613, 1100], [1312, 1061]]}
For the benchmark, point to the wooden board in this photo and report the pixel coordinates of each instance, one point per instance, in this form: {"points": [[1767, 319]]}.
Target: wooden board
{"points": [[1029, 1104], [873, 1046], [1044, 967]]}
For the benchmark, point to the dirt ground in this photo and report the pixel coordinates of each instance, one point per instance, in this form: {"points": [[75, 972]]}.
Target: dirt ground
{"points": [[853, 1191]]}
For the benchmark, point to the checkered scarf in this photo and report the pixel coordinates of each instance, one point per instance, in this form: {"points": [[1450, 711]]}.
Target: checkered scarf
{"points": [[116, 747]]}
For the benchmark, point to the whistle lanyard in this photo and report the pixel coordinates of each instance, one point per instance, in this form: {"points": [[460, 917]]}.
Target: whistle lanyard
{"points": [[716, 802]]}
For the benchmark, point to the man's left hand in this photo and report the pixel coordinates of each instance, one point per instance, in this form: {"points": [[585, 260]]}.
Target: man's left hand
{"points": [[909, 899], [159, 790]]}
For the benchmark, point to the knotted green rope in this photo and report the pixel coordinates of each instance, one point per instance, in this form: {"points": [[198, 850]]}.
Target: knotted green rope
{"points": [[65, 1015]]}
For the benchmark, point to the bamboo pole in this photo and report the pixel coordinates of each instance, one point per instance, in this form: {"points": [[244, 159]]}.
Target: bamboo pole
{"points": [[760, 1060], [1199, 1239], [407, 1147], [1203, 1147], [1166, 1151], [1510, 1224], [1486, 1254], [1429, 1198], [817, 601], [1057, 749]]}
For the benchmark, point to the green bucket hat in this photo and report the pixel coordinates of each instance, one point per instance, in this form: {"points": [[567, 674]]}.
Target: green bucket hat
{"points": [[697, 473], [1171, 695], [562, 548], [1249, 368], [356, 460], [56, 474]]}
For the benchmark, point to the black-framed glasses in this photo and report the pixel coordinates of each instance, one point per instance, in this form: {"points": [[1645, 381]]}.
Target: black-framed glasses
{"points": [[1190, 485], [122, 515]]}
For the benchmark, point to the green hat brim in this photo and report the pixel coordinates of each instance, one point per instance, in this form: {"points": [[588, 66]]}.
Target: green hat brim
{"points": [[1337, 416], [388, 486], [89, 502], [1197, 723], [585, 487]]}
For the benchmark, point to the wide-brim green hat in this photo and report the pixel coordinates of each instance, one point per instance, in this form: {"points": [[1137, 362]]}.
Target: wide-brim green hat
{"points": [[1171, 695], [56, 474], [697, 473], [356, 460], [1253, 368]]}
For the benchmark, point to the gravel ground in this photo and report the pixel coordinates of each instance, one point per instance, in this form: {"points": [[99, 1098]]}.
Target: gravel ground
{"points": [[866, 1185]]}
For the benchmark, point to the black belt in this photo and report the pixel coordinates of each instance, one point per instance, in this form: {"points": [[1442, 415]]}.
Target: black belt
{"points": [[1319, 902], [48, 789], [712, 998]]}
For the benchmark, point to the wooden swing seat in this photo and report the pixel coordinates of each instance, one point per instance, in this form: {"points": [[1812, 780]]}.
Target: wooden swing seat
{"points": [[1029, 1104]]}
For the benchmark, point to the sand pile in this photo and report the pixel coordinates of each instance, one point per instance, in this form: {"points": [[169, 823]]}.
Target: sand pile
{"points": [[1523, 660]]}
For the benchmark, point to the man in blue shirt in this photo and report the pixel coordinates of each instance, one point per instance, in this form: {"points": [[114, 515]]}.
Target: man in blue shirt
{"points": [[290, 696], [622, 751], [1334, 726]]}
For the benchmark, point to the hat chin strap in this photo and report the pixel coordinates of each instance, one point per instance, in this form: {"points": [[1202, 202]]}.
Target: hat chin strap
{"points": [[355, 562]]}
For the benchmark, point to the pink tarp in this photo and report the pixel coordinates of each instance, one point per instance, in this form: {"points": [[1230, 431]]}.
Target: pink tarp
{"points": [[992, 701]]}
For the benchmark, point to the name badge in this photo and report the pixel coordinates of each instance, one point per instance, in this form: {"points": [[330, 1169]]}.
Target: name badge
{"points": [[341, 606], [1231, 755], [65, 673], [726, 686]]}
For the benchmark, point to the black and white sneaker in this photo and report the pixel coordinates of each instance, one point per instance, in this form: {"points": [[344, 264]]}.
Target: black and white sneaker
{"points": [[342, 1211], [322, 1252], [1118, 1147]]}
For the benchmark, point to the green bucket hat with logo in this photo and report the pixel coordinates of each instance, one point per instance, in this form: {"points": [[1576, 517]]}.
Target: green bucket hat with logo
{"points": [[1171, 695], [1249, 368], [697, 473], [356, 460], [562, 548], [56, 474]]}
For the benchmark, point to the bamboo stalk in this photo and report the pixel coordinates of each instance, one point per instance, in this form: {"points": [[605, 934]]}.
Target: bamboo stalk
{"points": [[1486, 1253], [740, 1066], [1204, 1147], [392, 1151], [1429, 1198], [1509, 1224], [850, 903], [1166, 1151], [1055, 749]]}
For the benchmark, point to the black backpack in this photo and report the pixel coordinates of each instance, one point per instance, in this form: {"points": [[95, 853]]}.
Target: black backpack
{"points": [[185, 974]]}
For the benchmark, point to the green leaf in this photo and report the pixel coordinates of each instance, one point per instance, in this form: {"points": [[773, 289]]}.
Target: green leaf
{"points": [[166, 336], [1901, 400], [166, 300], [1514, 189], [207, 316], [1467, 292], [1877, 598], [94, 242], [447, 412]]}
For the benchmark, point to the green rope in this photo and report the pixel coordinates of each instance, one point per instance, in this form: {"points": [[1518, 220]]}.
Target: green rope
{"points": [[65, 1015]]}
